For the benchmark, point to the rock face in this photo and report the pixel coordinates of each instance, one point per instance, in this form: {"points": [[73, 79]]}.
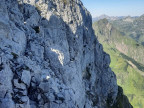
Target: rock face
{"points": [[50, 57]]}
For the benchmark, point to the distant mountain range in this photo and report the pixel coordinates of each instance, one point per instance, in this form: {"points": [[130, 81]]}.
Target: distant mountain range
{"points": [[111, 17], [132, 27]]}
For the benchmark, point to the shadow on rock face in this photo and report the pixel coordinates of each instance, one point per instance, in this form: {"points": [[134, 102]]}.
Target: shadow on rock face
{"points": [[121, 100], [60, 62]]}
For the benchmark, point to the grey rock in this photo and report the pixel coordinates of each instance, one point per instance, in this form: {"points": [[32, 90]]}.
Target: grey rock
{"points": [[22, 106], [19, 85], [7, 103], [54, 105], [51, 56], [26, 77], [33, 104], [44, 86], [6, 76], [24, 99]]}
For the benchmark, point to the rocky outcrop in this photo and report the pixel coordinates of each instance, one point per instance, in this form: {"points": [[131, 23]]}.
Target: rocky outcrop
{"points": [[122, 100], [50, 58]]}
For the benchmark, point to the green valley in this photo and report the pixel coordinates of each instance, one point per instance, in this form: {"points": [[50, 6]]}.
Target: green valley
{"points": [[127, 56]]}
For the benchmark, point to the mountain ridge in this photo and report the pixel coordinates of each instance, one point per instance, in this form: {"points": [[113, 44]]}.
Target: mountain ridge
{"points": [[50, 57], [132, 27], [112, 18]]}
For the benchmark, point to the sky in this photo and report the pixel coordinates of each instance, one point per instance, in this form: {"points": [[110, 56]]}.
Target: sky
{"points": [[115, 7]]}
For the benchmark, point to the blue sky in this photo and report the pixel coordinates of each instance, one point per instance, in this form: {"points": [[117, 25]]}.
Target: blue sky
{"points": [[115, 7]]}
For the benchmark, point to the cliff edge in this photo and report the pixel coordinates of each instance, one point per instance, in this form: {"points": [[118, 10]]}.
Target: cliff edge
{"points": [[50, 57]]}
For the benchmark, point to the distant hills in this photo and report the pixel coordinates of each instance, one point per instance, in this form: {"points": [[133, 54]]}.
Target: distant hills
{"points": [[123, 39], [133, 27], [111, 17]]}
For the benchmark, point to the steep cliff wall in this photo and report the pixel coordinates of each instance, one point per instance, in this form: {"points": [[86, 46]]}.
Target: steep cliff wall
{"points": [[50, 58]]}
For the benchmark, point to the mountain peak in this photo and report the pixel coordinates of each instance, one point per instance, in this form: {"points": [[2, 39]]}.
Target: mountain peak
{"points": [[50, 57]]}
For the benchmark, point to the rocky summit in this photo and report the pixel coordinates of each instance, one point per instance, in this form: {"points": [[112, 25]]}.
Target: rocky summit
{"points": [[50, 57]]}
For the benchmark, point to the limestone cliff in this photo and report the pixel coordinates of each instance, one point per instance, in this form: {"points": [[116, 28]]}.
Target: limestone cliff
{"points": [[50, 57]]}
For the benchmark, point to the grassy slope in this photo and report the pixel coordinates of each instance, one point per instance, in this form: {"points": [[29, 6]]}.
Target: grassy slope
{"points": [[128, 77], [106, 32], [129, 72]]}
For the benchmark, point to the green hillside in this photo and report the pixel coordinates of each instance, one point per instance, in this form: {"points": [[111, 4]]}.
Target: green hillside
{"points": [[132, 27], [126, 63], [106, 32]]}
